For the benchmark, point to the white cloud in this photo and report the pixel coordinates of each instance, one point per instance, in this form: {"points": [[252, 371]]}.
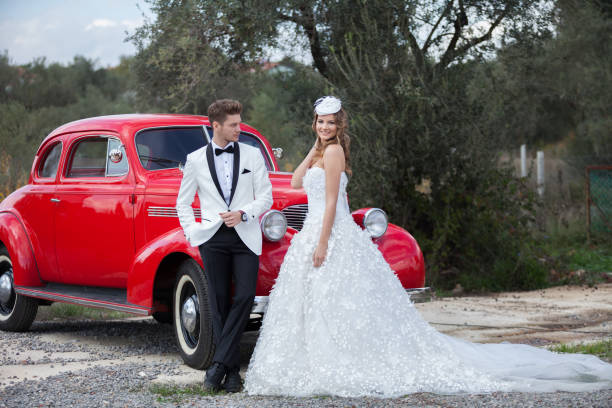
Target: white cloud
{"points": [[60, 29], [100, 23]]}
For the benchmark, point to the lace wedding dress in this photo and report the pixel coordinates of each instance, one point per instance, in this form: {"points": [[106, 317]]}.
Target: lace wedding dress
{"points": [[348, 328]]}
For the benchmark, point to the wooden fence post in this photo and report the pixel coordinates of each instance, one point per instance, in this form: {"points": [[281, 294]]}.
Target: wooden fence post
{"points": [[541, 175]]}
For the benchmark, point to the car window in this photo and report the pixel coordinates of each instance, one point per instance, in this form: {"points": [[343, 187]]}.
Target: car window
{"points": [[91, 157], [251, 140], [167, 148], [88, 158], [49, 164], [116, 159]]}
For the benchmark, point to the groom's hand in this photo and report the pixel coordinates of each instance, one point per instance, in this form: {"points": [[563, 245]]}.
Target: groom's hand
{"points": [[231, 218]]}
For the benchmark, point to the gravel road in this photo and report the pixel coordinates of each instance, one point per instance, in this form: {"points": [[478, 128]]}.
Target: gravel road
{"points": [[121, 363]]}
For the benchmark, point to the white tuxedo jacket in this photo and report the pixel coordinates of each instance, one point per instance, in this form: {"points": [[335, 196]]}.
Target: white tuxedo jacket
{"points": [[251, 193]]}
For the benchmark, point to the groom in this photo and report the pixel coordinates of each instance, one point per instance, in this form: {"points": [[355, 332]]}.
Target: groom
{"points": [[232, 183]]}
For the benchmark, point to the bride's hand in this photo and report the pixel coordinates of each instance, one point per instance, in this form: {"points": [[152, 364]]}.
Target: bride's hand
{"points": [[313, 148], [319, 255]]}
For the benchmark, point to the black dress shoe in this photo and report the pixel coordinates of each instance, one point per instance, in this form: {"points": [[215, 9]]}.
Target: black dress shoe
{"points": [[233, 382], [214, 377]]}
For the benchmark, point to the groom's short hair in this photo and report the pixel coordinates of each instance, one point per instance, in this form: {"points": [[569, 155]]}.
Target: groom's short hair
{"points": [[219, 109]]}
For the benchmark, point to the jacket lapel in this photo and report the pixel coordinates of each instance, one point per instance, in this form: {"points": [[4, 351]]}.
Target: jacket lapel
{"points": [[213, 170], [236, 170]]}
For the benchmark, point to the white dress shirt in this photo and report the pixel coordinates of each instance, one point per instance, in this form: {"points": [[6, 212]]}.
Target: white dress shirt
{"points": [[224, 165]]}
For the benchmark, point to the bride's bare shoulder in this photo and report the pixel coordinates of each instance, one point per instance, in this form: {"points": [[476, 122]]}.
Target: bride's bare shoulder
{"points": [[333, 156], [334, 151]]}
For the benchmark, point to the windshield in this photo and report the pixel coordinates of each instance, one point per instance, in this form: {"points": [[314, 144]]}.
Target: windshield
{"points": [[251, 140], [168, 148]]}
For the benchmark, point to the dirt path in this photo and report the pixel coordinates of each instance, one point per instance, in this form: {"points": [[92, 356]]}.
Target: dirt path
{"points": [[556, 315], [72, 352]]}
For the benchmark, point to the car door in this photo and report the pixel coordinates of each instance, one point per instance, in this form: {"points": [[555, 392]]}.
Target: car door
{"points": [[94, 215], [39, 209]]}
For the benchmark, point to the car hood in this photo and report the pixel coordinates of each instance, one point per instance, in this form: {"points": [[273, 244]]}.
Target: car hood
{"points": [[167, 182]]}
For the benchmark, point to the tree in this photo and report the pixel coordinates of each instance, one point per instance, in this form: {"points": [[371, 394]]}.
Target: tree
{"points": [[435, 34], [582, 61], [183, 63], [543, 87], [415, 124], [35, 98], [402, 69], [281, 108]]}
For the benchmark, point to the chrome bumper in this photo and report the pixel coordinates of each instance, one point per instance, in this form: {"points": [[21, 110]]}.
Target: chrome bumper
{"points": [[417, 295], [420, 295], [260, 304]]}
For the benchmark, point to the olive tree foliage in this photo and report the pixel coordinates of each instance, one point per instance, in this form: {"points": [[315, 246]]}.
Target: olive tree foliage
{"points": [[402, 69], [195, 52], [419, 147], [583, 62], [544, 87], [37, 97], [281, 108]]}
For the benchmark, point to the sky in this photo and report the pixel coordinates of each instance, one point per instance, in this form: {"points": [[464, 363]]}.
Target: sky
{"points": [[60, 29], [96, 29]]}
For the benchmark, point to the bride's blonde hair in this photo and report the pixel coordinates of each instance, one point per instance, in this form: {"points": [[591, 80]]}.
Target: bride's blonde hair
{"points": [[342, 138]]}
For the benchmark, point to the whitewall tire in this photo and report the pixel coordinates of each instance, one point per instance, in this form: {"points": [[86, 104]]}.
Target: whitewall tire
{"points": [[191, 316]]}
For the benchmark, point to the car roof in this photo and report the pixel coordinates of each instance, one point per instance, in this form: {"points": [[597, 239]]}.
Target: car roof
{"points": [[129, 123], [118, 122]]}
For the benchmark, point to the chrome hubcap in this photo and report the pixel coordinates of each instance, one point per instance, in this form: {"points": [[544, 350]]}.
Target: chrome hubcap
{"points": [[189, 314], [6, 287]]}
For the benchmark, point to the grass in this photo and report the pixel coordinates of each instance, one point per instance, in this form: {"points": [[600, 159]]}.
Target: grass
{"points": [[175, 393], [66, 311], [567, 259], [577, 252], [601, 349], [573, 260]]}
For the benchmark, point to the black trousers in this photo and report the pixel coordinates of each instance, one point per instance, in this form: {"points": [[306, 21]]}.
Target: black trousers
{"points": [[226, 258]]}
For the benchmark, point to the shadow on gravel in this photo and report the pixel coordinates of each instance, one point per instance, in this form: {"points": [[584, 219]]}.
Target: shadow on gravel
{"points": [[129, 337]]}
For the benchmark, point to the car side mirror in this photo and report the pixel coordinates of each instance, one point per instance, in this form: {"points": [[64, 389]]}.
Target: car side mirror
{"points": [[115, 155], [278, 152]]}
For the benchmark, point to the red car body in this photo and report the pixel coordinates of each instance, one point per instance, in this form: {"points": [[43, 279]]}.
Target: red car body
{"points": [[82, 236]]}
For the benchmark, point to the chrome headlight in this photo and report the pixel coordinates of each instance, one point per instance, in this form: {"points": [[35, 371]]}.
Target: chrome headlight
{"points": [[375, 221], [273, 225]]}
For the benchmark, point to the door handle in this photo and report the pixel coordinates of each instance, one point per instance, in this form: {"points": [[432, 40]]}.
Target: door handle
{"points": [[55, 200]]}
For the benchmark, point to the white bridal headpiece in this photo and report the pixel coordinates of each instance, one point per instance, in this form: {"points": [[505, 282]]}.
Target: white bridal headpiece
{"points": [[327, 105]]}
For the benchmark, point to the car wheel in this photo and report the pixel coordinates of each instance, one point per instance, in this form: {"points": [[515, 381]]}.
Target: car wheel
{"points": [[17, 312], [191, 316]]}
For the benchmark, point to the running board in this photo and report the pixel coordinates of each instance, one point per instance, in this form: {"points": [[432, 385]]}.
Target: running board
{"points": [[90, 296]]}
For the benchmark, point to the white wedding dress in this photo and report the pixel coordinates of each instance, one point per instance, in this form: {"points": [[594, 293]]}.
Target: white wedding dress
{"points": [[348, 328]]}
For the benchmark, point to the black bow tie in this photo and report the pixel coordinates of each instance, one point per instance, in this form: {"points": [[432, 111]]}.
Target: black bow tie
{"points": [[229, 149]]}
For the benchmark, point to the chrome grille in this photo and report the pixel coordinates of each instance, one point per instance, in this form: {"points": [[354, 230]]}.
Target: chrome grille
{"points": [[295, 215], [169, 212]]}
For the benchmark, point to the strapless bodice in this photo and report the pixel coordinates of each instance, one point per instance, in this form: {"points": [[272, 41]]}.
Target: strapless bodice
{"points": [[314, 184]]}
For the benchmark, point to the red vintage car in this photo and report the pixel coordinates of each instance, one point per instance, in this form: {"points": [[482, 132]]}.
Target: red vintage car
{"points": [[96, 225]]}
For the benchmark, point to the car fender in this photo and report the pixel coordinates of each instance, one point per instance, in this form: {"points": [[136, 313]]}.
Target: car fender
{"points": [[404, 256], [270, 261], [141, 278], [401, 251], [14, 236]]}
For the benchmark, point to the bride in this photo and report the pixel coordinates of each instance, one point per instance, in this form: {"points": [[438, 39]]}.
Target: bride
{"points": [[340, 323]]}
